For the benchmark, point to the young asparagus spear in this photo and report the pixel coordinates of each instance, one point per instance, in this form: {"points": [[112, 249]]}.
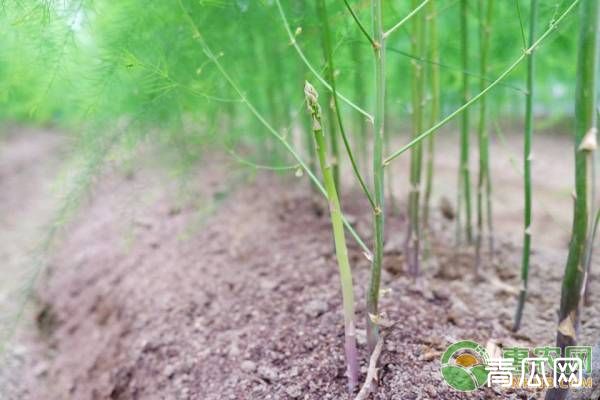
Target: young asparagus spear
{"points": [[338, 234]]}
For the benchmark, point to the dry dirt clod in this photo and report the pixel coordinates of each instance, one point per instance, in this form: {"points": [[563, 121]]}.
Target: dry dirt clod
{"points": [[431, 391], [294, 391], [268, 373], [315, 308], [268, 284], [248, 366], [169, 371], [361, 336], [430, 355], [441, 293]]}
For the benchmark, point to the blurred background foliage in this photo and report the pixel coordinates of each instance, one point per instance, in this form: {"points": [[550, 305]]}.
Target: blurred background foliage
{"points": [[92, 67]]}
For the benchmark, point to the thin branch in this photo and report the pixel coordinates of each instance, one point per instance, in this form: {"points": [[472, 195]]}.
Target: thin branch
{"points": [[403, 20], [371, 372], [311, 68], [249, 163], [360, 25], [521, 24], [511, 68], [450, 67]]}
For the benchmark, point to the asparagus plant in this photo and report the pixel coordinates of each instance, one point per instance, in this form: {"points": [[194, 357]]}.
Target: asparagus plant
{"points": [[413, 235], [378, 42], [434, 81], [527, 158], [464, 179], [341, 249], [585, 143], [483, 183]]}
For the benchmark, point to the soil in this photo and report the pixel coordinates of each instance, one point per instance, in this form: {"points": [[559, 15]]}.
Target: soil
{"points": [[30, 159], [227, 288]]}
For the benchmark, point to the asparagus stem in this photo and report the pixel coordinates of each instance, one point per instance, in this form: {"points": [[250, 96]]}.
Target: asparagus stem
{"points": [[484, 151], [585, 128], [435, 108], [378, 173], [464, 186], [527, 170], [360, 121], [412, 242], [339, 236], [594, 210], [389, 177], [588, 259]]}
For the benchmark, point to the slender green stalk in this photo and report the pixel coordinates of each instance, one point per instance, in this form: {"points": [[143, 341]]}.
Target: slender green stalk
{"points": [[341, 249], [389, 177], [416, 8], [588, 258], [329, 77], [552, 27], [527, 156], [360, 123], [434, 55], [360, 25], [378, 174], [483, 183], [215, 60], [464, 180], [267, 99], [585, 131], [454, 68], [412, 243], [594, 210], [594, 228]]}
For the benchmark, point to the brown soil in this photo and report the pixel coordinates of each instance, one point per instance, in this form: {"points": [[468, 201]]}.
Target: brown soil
{"points": [[29, 162], [229, 290]]}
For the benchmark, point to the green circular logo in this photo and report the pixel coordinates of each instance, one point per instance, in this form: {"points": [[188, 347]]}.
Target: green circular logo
{"points": [[463, 365]]}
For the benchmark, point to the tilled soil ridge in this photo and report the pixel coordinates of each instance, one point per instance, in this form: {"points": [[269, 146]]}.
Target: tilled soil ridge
{"points": [[170, 301]]}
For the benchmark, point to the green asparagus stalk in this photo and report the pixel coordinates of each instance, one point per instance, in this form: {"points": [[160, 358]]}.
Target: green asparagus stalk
{"points": [[412, 243], [341, 249], [464, 180], [585, 143], [527, 170], [434, 54], [378, 173], [483, 183], [360, 122]]}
